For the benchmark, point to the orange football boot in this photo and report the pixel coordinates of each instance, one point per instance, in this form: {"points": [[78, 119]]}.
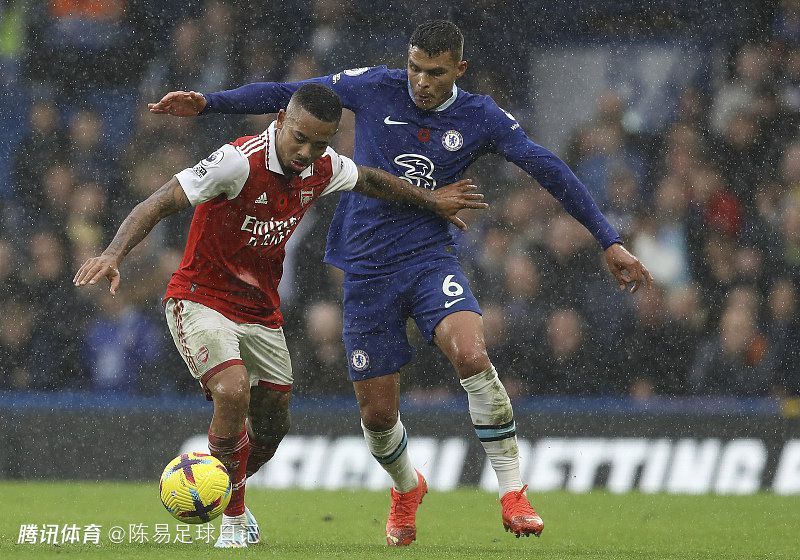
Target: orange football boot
{"points": [[518, 515], [401, 527]]}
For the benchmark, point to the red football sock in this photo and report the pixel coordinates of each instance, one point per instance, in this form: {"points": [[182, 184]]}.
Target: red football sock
{"points": [[233, 453], [259, 455]]}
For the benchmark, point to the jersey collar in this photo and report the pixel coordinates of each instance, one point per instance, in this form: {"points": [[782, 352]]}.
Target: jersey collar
{"points": [[441, 107], [272, 161]]}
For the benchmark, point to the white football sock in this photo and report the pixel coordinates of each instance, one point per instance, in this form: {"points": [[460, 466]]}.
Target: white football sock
{"points": [[493, 418], [390, 449]]}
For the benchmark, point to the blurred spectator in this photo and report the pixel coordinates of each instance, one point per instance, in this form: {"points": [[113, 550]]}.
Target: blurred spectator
{"points": [[261, 59], [275, 30], [44, 144], [312, 280], [487, 262], [720, 270], [302, 66], [787, 21], [654, 350], [16, 324], [329, 45], [688, 323], [319, 366], [198, 54], [691, 110], [89, 158], [789, 85], [522, 212], [624, 199], [684, 153], [603, 151], [661, 241], [10, 285], [790, 166], [501, 24], [525, 305], [790, 237], [568, 364], [783, 331], [752, 71], [52, 199], [87, 211], [58, 317], [123, 346], [734, 361], [741, 156], [565, 259]]}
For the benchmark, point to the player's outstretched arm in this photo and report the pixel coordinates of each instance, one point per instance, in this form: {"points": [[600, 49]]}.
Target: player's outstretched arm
{"points": [[251, 99], [627, 269], [446, 202], [165, 201]]}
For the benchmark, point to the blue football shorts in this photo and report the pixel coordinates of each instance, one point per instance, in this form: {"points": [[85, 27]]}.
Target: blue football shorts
{"points": [[376, 308]]}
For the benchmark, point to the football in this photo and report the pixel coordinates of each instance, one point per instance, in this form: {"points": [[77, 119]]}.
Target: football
{"points": [[195, 487]]}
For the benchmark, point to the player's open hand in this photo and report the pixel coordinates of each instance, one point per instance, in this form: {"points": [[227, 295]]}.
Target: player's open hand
{"points": [[449, 200], [96, 268], [627, 269], [179, 104]]}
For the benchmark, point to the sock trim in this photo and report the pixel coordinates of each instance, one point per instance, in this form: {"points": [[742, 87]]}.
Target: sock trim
{"points": [[394, 455], [496, 433]]}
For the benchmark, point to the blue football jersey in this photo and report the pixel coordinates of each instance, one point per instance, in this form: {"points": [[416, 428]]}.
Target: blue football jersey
{"points": [[429, 149]]}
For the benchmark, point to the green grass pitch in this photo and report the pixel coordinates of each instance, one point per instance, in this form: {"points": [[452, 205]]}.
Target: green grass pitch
{"points": [[462, 524]]}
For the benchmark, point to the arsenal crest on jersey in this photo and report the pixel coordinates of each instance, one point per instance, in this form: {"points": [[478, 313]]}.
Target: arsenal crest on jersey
{"points": [[306, 196]]}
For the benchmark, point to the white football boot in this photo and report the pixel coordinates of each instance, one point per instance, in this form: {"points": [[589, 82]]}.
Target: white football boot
{"points": [[232, 532], [253, 532]]}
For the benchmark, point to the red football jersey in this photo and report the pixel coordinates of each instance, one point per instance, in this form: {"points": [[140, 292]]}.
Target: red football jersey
{"points": [[246, 210]]}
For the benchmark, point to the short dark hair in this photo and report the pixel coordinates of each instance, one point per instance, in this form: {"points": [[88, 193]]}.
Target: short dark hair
{"points": [[321, 101], [438, 36]]}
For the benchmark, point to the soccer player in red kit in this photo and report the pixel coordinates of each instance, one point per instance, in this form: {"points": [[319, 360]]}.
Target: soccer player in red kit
{"points": [[222, 304]]}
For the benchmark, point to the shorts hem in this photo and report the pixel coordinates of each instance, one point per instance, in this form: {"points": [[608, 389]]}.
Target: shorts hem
{"points": [[275, 386], [214, 371], [362, 376]]}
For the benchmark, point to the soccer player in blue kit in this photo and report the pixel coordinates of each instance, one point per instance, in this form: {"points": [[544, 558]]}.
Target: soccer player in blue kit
{"points": [[400, 262]]}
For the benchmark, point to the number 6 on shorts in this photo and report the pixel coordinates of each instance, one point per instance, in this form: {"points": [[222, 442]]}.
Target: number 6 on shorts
{"points": [[450, 288]]}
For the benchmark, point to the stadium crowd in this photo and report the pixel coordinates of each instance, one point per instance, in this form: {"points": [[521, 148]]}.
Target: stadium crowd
{"points": [[710, 203]]}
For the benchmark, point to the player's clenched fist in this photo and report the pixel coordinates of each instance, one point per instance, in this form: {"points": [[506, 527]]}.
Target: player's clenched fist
{"points": [[96, 268], [179, 104]]}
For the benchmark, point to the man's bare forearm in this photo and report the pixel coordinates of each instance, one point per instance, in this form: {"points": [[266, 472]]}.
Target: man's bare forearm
{"points": [[143, 218], [380, 184]]}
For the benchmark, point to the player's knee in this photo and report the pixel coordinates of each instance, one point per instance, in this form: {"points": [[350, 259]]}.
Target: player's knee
{"points": [[471, 361], [378, 419], [232, 395]]}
